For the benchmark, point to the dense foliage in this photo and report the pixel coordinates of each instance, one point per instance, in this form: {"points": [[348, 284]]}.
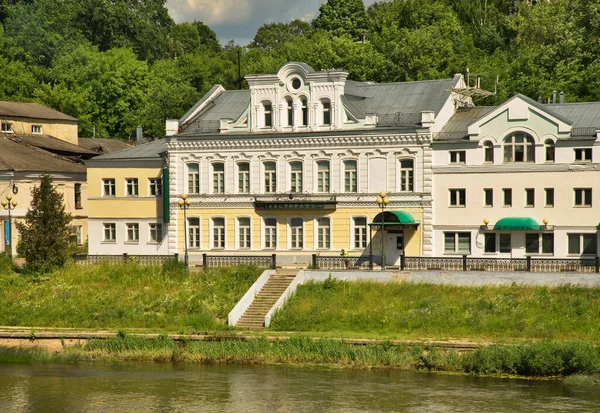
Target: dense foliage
{"points": [[115, 64]]}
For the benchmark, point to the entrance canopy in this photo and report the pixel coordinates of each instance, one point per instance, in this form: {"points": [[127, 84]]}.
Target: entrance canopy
{"points": [[517, 224], [394, 218]]}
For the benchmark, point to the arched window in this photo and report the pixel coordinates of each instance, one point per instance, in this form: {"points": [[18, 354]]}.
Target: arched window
{"points": [[488, 152], [519, 147], [290, 111], [549, 150], [304, 104], [326, 104], [268, 114]]}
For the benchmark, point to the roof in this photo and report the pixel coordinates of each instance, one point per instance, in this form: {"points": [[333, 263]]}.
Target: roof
{"points": [[394, 218], [18, 156], [103, 146], [147, 151], [228, 105], [581, 115], [32, 111], [517, 224], [463, 117], [54, 145]]}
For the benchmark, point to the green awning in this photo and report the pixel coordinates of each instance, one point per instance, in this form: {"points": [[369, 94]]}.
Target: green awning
{"points": [[394, 218], [598, 227], [517, 224]]}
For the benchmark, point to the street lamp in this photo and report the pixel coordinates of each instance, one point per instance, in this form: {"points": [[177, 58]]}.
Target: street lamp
{"points": [[9, 204], [184, 203], [382, 201]]}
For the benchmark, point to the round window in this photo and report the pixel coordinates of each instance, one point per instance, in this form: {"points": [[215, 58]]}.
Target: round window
{"points": [[296, 83]]}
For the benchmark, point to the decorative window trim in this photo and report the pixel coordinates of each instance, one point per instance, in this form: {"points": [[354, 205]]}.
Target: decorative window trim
{"points": [[317, 235], [289, 233], [238, 232], [187, 232], [264, 233]]}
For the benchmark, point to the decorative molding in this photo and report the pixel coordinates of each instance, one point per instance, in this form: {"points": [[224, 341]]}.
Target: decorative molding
{"points": [[512, 168]]}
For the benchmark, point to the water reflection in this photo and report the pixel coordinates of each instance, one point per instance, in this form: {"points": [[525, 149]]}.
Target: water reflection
{"points": [[190, 388]]}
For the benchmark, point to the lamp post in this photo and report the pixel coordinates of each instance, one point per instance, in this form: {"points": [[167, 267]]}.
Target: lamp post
{"points": [[9, 204], [184, 203], [382, 201]]}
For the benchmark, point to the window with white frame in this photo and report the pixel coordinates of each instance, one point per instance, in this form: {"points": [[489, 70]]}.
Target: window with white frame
{"points": [[350, 176], [582, 244], [295, 176], [583, 197], [270, 177], [270, 233], [193, 173], [323, 175], [296, 233], [519, 147], [583, 154], [323, 233], [133, 232], [7, 127], [457, 242], [218, 178], [407, 175], [360, 232], [458, 197], [243, 178], [218, 239], [36, 129], [155, 186], [290, 111], [193, 227], [268, 114], [326, 106], [488, 152], [131, 187], [458, 156], [156, 232], [243, 233], [304, 108], [110, 232], [549, 150], [76, 236], [108, 187], [78, 196]]}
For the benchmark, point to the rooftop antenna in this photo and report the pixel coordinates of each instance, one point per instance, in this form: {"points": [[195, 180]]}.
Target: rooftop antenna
{"points": [[468, 94]]}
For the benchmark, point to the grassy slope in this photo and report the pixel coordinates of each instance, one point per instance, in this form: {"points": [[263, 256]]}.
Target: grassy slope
{"points": [[496, 313], [125, 296]]}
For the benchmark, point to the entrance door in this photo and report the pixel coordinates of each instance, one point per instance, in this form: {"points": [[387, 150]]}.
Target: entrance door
{"points": [[394, 248]]}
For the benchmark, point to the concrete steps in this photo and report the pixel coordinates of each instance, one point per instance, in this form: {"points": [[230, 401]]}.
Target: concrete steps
{"points": [[254, 317]]}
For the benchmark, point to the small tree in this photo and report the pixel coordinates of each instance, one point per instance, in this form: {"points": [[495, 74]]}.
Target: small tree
{"points": [[44, 236]]}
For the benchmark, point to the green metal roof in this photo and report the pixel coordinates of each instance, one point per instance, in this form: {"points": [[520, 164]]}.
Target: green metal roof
{"points": [[394, 218], [517, 224]]}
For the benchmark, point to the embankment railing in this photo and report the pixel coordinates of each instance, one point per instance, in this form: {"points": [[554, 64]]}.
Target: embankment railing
{"points": [[265, 261], [87, 259]]}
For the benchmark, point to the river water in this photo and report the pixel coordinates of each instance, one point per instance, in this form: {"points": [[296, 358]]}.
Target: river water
{"points": [[151, 387]]}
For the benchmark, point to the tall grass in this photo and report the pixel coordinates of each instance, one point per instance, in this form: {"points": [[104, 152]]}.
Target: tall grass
{"points": [[442, 311], [123, 296]]}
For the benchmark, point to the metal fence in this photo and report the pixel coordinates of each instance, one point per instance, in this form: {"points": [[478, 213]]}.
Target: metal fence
{"points": [[85, 259], [265, 261], [342, 263]]}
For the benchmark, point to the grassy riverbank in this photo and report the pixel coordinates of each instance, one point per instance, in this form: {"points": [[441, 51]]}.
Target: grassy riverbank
{"points": [[123, 296], [489, 313]]}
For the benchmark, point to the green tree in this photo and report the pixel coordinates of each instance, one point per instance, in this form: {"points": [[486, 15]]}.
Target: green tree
{"points": [[44, 236], [193, 38], [271, 35], [341, 17]]}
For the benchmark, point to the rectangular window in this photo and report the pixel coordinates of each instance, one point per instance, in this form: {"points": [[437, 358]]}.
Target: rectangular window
{"points": [[270, 178], [457, 242], [583, 154], [488, 197], [156, 233], [490, 242], [296, 177], [532, 243], [505, 243], [360, 233], [155, 186], [36, 129], [108, 187], [350, 182], [323, 233], [193, 171], [110, 232], [458, 197], [193, 232], [458, 156], [583, 197], [323, 176], [244, 233], [7, 127], [133, 233], [131, 187], [507, 192], [297, 233], [585, 244], [406, 175], [270, 233], [244, 178], [78, 203], [529, 197], [218, 233], [76, 237], [268, 115], [218, 178], [549, 197], [547, 243], [326, 113]]}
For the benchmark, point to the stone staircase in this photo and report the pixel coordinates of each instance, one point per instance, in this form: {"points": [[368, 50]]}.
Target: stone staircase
{"points": [[254, 317]]}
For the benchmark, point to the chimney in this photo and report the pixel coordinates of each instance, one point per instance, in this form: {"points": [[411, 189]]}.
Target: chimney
{"points": [[138, 136], [540, 99], [554, 96], [172, 127], [561, 97], [427, 118]]}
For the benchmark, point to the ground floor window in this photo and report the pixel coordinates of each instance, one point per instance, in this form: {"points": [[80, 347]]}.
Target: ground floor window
{"points": [[193, 233], [584, 244], [75, 237], [270, 233], [218, 233], [155, 232], [505, 244], [110, 232], [532, 243], [133, 233], [457, 242], [244, 233], [297, 233], [323, 233], [360, 233]]}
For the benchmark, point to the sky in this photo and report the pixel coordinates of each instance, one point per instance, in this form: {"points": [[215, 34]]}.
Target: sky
{"points": [[238, 20]]}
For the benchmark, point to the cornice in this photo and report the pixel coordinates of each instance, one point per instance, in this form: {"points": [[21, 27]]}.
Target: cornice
{"points": [[512, 169]]}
